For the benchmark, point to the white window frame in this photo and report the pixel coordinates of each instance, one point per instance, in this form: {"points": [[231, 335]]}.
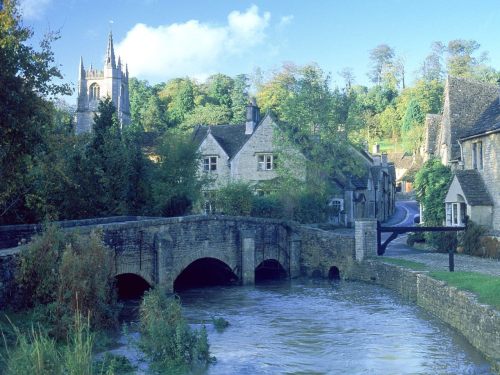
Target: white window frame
{"points": [[266, 162], [210, 163]]}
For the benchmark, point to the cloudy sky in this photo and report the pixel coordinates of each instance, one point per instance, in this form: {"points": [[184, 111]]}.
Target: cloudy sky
{"points": [[163, 39]]}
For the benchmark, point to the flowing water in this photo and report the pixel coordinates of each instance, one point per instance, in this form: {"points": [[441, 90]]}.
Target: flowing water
{"points": [[308, 327]]}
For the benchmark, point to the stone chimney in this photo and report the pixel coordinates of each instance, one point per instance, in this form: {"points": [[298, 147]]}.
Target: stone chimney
{"points": [[376, 160], [253, 116], [376, 149], [384, 159]]}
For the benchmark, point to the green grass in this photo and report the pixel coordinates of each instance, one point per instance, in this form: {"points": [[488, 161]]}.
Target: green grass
{"points": [[387, 145], [416, 266], [485, 287]]}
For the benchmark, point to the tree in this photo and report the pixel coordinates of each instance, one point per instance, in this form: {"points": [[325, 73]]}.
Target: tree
{"points": [[179, 95], [347, 75], [432, 68], [26, 80], [460, 62], [382, 58], [176, 185], [431, 184], [239, 99]]}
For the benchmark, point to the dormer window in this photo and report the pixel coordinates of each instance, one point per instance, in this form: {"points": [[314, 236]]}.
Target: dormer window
{"points": [[266, 162], [210, 163]]}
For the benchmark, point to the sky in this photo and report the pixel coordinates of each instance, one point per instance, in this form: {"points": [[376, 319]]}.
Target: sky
{"points": [[165, 39]]}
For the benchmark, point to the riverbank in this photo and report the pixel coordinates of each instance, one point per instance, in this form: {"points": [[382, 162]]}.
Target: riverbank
{"points": [[477, 322]]}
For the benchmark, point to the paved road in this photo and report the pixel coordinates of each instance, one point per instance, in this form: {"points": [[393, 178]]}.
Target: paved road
{"points": [[405, 211]]}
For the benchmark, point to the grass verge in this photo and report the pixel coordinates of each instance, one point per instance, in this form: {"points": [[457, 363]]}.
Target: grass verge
{"points": [[416, 266], [485, 287]]}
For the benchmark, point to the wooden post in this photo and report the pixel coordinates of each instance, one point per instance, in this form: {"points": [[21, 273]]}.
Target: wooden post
{"points": [[451, 259]]}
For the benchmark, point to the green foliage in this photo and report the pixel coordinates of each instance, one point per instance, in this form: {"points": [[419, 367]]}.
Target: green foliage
{"points": [[413, 117], [114, 364], [469, 239], [442, 241], [220, 323], [38, 270], [486, 287], [26, 76], [166, 338], [431, 184], [86, 282], [234, 199], [416, 266], [175, 184], [61, 274], [267, 206], [36, 353]]}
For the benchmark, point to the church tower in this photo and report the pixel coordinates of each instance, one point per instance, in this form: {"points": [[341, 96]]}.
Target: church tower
{"points": [[94, 85]]}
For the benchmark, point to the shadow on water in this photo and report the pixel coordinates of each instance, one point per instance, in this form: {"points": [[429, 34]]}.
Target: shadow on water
{"points": [[205, 272], [269, 269], [130, 290]]}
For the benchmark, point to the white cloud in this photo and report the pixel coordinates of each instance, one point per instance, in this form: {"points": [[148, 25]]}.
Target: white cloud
{"points": [[192, 48], [33, 9], [285, 20]]}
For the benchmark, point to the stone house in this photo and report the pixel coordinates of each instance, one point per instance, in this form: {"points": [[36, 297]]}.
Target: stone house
{"points": [[467, 137], [250, 152]]}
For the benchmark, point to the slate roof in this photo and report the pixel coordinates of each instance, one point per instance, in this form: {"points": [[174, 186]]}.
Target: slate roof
{"points": [[432, 125], [467, 101], [230, 137], [473, 187], [488, 122]]}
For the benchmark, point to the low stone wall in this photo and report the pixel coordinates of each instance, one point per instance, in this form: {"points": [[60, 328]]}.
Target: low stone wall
{"points": [[479, 323]]}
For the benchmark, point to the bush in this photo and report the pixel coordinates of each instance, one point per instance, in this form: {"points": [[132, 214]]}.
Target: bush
{"points": [[166, 338], [415, 237], [37, 273], [311, 208], [234, 199], [442, 241], [470, 239], [86, 281], [267, 206]]}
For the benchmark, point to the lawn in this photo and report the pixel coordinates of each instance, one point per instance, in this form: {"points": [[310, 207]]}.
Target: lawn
{"points": [[485, 287]]}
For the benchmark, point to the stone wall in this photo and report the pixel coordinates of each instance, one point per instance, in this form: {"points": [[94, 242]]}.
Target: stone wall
{"points": [[321, 250], [479, 323], [8, 263], [221, 176]]}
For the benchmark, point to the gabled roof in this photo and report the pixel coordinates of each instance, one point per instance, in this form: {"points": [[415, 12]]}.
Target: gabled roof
{"points": [[488, 122], [230, 137], [473, 187], [467, 100], [432, 125]]}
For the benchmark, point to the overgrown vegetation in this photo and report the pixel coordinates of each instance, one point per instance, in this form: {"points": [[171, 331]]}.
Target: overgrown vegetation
{"points": [[166, 338], [469, 240], [485, 287], [220, 323]]}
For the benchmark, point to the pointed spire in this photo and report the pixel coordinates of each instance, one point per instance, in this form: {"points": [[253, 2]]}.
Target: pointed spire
{"points": [[110, 53], [81, 70], [119, 64]]}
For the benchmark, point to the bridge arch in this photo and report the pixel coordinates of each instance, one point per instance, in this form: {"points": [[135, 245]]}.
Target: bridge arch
{"points": [[131, 285], [206, 271], [270, 269]]}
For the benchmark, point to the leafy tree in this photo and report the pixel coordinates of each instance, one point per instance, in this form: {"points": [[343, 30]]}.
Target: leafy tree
{"points": [[219, 89], [413, 117], [432, 68], [382, 58], [239, 99], [273, 93], [179, 95], [460, 60], [209, 114], [431, 184], [26, 79], [176, 184], [347, 75]]}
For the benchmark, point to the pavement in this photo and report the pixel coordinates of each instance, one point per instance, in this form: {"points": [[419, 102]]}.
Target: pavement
{"points": [[403, 216]]}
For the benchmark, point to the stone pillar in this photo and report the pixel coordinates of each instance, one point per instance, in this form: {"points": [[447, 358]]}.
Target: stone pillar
{"points": [[164, 281], [365, 235], [295, 246], [248, 257]]}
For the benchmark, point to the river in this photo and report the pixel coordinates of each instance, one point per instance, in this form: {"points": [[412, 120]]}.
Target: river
{"points": [[311, 327]]}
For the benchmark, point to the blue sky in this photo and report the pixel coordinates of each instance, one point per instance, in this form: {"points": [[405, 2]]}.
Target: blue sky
{"points": [[162, 39]]}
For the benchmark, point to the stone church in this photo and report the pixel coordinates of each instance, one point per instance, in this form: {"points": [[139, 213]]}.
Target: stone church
{"points": [[94, 85]]}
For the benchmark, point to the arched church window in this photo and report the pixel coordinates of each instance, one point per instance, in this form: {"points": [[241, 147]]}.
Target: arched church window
{"points": [[94, 91]]}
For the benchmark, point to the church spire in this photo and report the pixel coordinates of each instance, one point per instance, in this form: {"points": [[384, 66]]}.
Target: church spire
{"points": [[110, 53], [81, 70]]}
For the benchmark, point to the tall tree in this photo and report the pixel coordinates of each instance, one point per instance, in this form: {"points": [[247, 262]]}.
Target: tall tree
{"points": [[432, 68], [382, 59], [26, 80], [239, 98]]}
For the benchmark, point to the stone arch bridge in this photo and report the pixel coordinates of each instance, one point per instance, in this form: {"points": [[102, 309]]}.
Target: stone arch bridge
{"points": [[159, 249]]}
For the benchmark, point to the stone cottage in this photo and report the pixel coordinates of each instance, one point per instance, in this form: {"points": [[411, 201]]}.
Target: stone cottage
{"points": [[467, 137], [251, 151]]}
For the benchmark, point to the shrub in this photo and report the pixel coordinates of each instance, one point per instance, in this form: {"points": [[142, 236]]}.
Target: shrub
{"points": [[469, 239], [37, 273], [86, 281], [220, 323], [166, 338], [234, 199], [267, 206], [442, 241], [311, 208]]}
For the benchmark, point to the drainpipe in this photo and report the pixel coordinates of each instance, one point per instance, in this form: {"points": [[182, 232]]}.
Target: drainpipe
{"points": [[461, 163]]}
